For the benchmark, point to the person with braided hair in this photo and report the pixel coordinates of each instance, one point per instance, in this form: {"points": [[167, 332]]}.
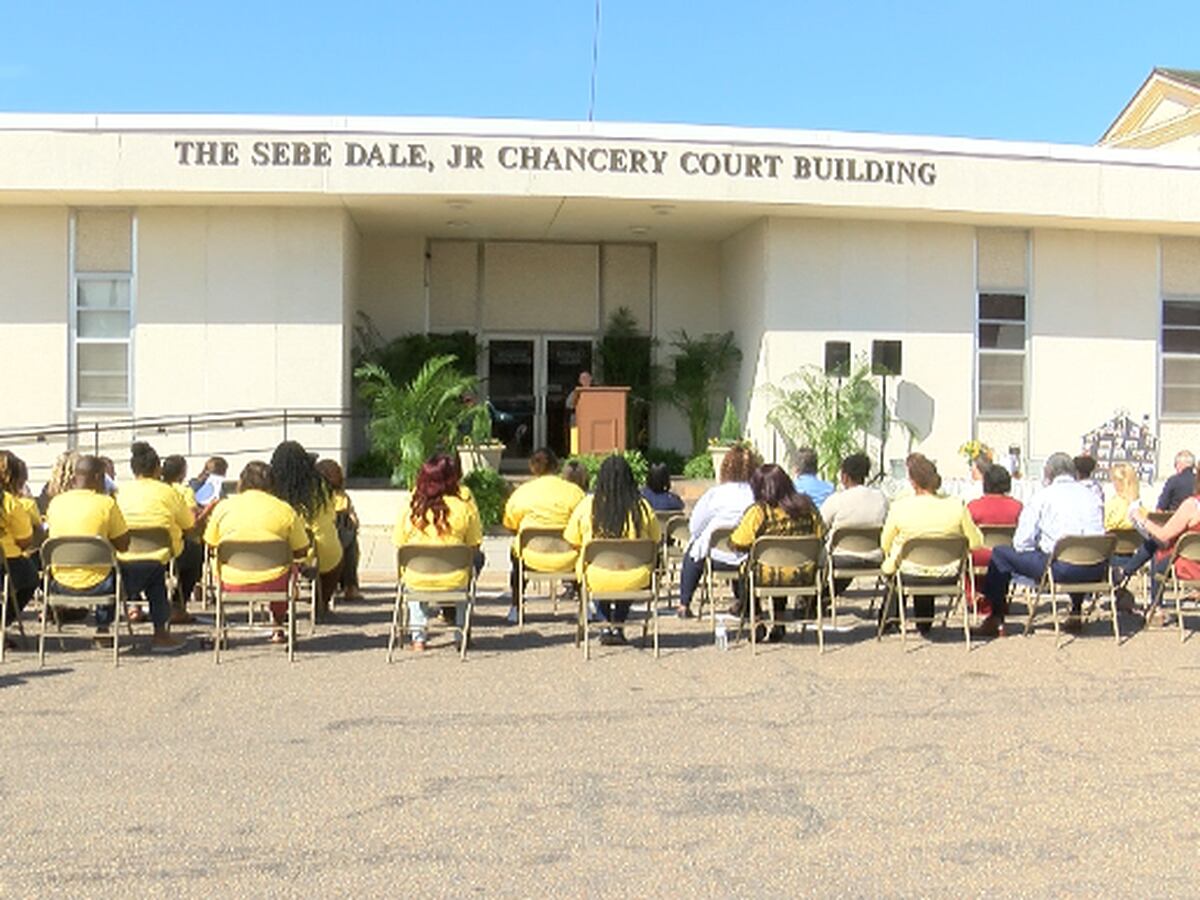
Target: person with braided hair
{"points": [[615, 509], [438, 512], [297, 482]]}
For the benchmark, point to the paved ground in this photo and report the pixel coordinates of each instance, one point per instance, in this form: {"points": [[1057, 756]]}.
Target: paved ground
{"points": [[1013, 770]]}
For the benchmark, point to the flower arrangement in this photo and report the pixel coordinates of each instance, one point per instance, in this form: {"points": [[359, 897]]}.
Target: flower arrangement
{"points": [[973, 449]]}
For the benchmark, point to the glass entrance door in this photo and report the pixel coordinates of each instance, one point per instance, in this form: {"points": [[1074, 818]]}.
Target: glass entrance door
{"points": [[528, 379], [512, 392]]}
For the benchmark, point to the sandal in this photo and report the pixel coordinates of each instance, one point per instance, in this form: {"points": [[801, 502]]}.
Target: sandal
{"points": [[278, 637]]}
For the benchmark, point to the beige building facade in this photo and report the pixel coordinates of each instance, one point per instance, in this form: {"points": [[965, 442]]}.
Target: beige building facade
{"points": [[166, 266]]}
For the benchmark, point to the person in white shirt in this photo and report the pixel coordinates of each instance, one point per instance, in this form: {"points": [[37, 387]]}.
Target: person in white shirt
{"points": [[719, 507], [1064, 507], [854, 506]]}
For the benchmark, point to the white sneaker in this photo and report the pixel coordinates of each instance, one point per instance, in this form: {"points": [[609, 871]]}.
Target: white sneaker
{"points": [[512, 617]]}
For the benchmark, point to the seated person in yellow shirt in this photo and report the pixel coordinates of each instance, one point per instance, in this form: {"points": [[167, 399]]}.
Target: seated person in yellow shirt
{"points": [[346, 521], [190, 563], [545, 501], [84, 510], [437, 513], [923, 514], [778, 510], [147, 502], [18, 531], [298, 483], [615, 509], [254, 513]]}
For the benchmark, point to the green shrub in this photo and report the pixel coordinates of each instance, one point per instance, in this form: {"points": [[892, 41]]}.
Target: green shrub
{"points": [[637, 462], [491, 492], [674, 460], [699, 466]]}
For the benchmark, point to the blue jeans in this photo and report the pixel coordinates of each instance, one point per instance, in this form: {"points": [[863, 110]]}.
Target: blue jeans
{"points": [[419, 613], [147, 578], [691, 571], [1007, 561], [104, 614]]}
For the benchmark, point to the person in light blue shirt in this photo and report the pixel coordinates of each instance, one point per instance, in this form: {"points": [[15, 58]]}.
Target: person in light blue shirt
{"points": [[807, 479], [1063, 507]]}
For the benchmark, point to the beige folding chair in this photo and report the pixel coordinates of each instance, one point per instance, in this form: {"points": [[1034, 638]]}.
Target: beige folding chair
{"points": [[254, 556], [993, 536], [784, 552], [7, 596], [714, 577], [1077, 550], [930, 553], [78, 551], [853, 542], [1129, 542], [617, 555], [1186, 548], [433, 559], [541, 540], [676, 534], [151, 540]]}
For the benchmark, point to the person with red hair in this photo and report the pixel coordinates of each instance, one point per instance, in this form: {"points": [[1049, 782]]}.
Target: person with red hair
{"points": [[439, 512]]}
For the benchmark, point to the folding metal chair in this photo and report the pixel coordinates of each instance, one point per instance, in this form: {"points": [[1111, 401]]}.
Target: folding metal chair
{"points": [[541, 540], [152, 540], [616, 555], [1077, 550], [7, 596], [1186, 548], [784, 552], [676, 534], [858, 542], [930, 553], [71, 552], [714, 577], [254, 556], [1129, 542], [433, 560]]}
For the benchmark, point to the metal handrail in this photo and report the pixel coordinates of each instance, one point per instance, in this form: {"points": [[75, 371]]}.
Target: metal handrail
{"points": [[191, 423]]}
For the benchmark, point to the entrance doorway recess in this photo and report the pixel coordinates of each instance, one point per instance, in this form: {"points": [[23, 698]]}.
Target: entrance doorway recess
{"points": [[528, 379]]}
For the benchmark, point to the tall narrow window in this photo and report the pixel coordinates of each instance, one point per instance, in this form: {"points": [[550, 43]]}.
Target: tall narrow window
{"points": [[102, 329], [1181, 356], [102, 309], [1001, 354]]}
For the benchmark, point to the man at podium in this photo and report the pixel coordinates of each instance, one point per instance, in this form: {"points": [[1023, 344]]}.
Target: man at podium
{"points": [[585, 381]]}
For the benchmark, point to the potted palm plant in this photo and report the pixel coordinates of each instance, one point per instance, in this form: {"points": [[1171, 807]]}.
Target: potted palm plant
{"points": [[480, 450], [430, 414]]}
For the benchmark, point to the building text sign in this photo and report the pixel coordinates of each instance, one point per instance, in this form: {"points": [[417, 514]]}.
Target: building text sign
{"points": [[556, 157]]}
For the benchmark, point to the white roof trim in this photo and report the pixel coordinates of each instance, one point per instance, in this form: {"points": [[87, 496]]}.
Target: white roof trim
{"points": [[527, 128]]}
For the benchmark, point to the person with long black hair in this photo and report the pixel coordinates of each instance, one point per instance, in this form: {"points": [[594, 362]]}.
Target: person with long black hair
{"points": [[615, 509], [297, 482], [778, 510]]}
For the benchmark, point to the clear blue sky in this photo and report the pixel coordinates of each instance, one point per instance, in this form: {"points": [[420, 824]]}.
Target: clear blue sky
{"points": [[1049, 70]]}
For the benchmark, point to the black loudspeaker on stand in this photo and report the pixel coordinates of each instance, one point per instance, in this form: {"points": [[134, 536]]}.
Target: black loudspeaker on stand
{"points": [[885, 361], [837, 359]]}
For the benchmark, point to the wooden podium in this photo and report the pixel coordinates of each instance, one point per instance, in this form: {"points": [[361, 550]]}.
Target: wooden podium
{"points": [[599, 420]]}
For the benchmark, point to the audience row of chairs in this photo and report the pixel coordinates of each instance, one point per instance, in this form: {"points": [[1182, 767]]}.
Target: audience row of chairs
{"points": [[664, 558]]}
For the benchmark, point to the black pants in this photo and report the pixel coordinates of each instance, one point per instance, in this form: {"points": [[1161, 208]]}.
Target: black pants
{"points": [[25, 582], [923, 604], [188, 566]]}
